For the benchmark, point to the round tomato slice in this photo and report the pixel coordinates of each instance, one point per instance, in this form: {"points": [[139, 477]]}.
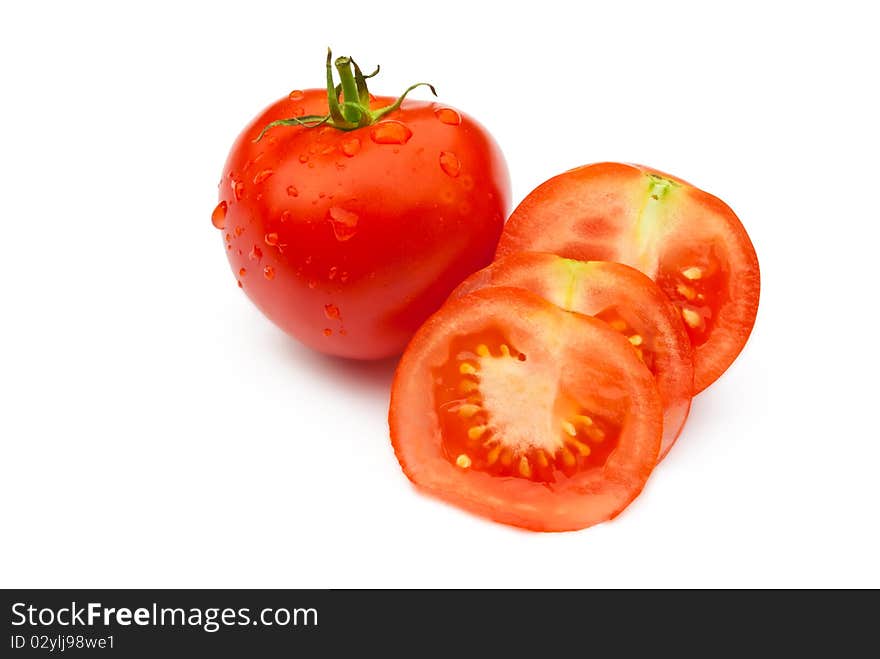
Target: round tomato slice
{"points": [[689, 242], [515, 409], [625, 299]]}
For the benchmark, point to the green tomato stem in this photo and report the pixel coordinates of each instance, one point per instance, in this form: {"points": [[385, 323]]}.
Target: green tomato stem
{"points": [[354, 109], [351, 108]]}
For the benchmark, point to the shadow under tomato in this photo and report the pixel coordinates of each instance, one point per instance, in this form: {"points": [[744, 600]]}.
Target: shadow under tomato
{"points": [[369, 376]]}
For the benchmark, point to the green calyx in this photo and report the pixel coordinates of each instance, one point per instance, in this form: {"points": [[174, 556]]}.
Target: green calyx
{"points": [[349, 101], [659, 186]]}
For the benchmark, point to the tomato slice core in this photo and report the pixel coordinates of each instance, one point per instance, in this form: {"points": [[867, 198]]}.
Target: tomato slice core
{"points": [[486, 397]]}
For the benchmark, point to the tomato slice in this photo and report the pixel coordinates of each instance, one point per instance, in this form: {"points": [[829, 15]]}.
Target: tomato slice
{"points": [[624, 298], [515, 409], [689, 242]]}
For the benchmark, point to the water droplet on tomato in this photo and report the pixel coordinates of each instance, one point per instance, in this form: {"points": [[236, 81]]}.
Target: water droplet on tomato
{"points": [[256, 253], [331, 311], [450, 163], [269, 272], [286, 216], [303, 157], [331, 274], [313, 283], [292, 191], [239, 230], [344, 223], [242, 272], [351, 147], [218, 217], [228, 238], [343, 277], [327, 331], [390, 132], [239, 285], [262, 176], [271, 239], [296, 95], [298, 112], [448, 116], [251, 162], [238, 189]]}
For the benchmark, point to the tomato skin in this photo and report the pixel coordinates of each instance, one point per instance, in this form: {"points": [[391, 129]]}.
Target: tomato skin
{"points": [[618, 212], [595, 288], [347, 242], [548, 334]]}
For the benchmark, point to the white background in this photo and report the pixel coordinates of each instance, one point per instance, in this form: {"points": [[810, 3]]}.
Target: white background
{"points": [[158, 431]]}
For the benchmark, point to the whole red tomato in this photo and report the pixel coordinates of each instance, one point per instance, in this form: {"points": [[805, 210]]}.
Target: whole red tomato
{"points": [[349, 218]]}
